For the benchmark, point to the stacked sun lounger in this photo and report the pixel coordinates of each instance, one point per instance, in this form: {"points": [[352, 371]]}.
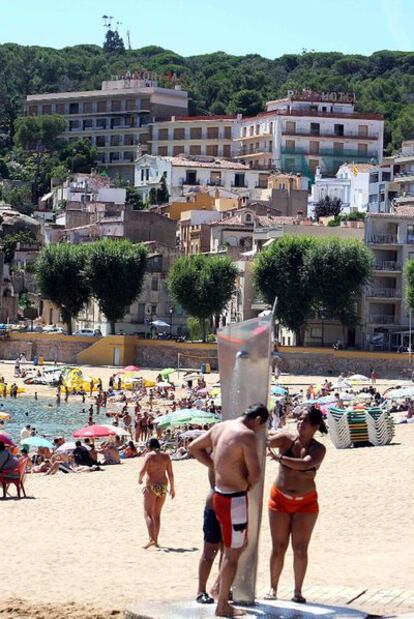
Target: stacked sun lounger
{"points": [[360, 427]]}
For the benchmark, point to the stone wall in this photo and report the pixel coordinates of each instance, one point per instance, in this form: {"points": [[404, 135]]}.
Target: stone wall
{"points": [[51, 348], [333, 363], [190, 356]]}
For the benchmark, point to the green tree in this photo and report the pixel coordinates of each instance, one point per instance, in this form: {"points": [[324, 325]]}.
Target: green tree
{"points": [[4, 170], [246, 102], [162, 192], [60, 172], [60, 273], [79, 156], [113, 43], [281, 270], [133, 198], [115, 272], [338, 270], [9, 242], [327, 207], [409, 277], [34, 133], [202, 285]]}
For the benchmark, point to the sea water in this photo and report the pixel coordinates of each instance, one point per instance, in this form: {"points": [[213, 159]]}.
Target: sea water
{"points": [[46, 416]]}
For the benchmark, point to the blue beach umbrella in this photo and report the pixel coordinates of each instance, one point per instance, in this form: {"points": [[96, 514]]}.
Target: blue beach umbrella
{"points": [[36, 441]]}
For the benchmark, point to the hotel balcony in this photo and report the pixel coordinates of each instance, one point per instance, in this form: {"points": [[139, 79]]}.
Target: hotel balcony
{"points": [[342, 155], [388, 265], [383, 239], [381, 292], [331, 135], [382, 319]]}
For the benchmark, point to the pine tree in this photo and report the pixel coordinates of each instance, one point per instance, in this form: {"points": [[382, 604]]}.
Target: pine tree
{"points": [[114, 43]]}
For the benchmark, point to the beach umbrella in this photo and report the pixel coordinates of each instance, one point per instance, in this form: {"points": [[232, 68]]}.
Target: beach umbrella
{"points": [[68, 447], [7, 439], [203, 419], [36, 441], [117, 429], [4, 416], [131, 368], [405, 392], [160, 323], [341, 385], [346, 397], [278, 390], [358, 377], [94, 431], [192, 433], [163, 384], [167, 371]]}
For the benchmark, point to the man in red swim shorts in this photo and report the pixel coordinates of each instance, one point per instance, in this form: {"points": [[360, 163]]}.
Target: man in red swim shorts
{"points": [[234, 458]]}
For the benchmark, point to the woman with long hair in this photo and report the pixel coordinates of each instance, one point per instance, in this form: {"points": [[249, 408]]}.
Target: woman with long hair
{"points": [[293, 503]]}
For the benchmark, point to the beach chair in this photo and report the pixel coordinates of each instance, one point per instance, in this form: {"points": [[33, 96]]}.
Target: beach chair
{"points": [[380, 427], [15, 477], [339, 429]]}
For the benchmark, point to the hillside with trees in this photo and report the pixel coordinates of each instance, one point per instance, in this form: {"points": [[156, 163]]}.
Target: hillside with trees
{"points": [[218, 83]]}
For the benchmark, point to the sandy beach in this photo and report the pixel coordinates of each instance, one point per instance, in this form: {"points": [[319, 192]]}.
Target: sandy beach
{"points": [[78, 539]]}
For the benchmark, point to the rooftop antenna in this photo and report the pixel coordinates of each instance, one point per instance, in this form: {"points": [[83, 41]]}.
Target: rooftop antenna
{"points": [[118, 23], [107, 20], [128, 33]]}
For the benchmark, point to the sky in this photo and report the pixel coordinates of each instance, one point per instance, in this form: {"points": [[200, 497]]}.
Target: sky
{"points": [[270, 28]]}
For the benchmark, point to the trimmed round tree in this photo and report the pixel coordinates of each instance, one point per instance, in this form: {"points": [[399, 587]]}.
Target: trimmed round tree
{"points": [[202, 285], [60, 274], [281, 270], [115, 272]]}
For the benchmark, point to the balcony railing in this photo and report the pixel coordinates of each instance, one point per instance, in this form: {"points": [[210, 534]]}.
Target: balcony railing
{"points": [[383, 239], [343, 155], [253, 151], [387, 265], [382, 319], [212, 183], [349, 135], [385, 293]]}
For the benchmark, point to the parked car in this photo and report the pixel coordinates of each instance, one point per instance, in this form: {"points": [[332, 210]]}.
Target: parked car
{"points": [[89, 332], [54, 330]]}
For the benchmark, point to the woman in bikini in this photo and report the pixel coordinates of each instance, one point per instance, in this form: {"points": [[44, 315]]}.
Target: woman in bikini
{"points": [[293, 504], [158, 469]]}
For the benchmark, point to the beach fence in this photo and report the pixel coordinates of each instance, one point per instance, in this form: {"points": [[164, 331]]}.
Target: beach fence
{"points": [[360, 427]]}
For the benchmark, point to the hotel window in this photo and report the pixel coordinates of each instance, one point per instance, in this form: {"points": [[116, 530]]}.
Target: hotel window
{"points": [[130, 104], [115, 140], [257, 129], [154, 283], [73, 108], [226, 150], [179, 134], [191, 177], [338, 148], [339, 130], [60, 108], [290, 164], [315, 129], [271, 127], [116, 105], [33, 110], [363, 131], [262, 182], [386, 176], [362, 150], [101, 107], [87, 124], [212, 133], [100, 141], [163, 134], [46, 109], [101, 123], [290, 146], [128, 140], [239, 180], [141, 312], [227, 133], [129, 155], [313, 164], [195, 133], [177, 150], [215, 178], [212, 150], [74, 125], [114, 156], [195, 149], [147, 174], [163, 151], [116, 122], [314, 148], [290, 127], [244, 134], [87, 108], [251, 131]]}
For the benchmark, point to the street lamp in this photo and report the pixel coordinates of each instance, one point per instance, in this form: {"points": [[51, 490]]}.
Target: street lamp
{"points": [[171, 312]]}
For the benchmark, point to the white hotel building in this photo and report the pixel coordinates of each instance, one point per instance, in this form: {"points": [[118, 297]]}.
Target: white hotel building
{"points": [[310, 130]]}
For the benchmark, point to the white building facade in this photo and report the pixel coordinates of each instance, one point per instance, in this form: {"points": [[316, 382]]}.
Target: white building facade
{"points": [[185, 173], [310, 130]]}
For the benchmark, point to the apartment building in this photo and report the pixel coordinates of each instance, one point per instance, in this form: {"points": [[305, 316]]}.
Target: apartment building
{"points": [[115, 119], [309, 130], [210, 136], [390, 236], [184, 173]]}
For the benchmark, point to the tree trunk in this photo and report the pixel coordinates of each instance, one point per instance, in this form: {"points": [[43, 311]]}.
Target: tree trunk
{"points": [[300, 336], [203, 329], [112, 327], [69, 325]]}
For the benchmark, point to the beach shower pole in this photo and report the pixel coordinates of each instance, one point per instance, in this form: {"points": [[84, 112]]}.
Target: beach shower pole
{"points": [[244, 351]]}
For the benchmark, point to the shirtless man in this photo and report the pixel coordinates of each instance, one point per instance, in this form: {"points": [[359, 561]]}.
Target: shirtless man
{"points": [[157, 466], [234, 459]]}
